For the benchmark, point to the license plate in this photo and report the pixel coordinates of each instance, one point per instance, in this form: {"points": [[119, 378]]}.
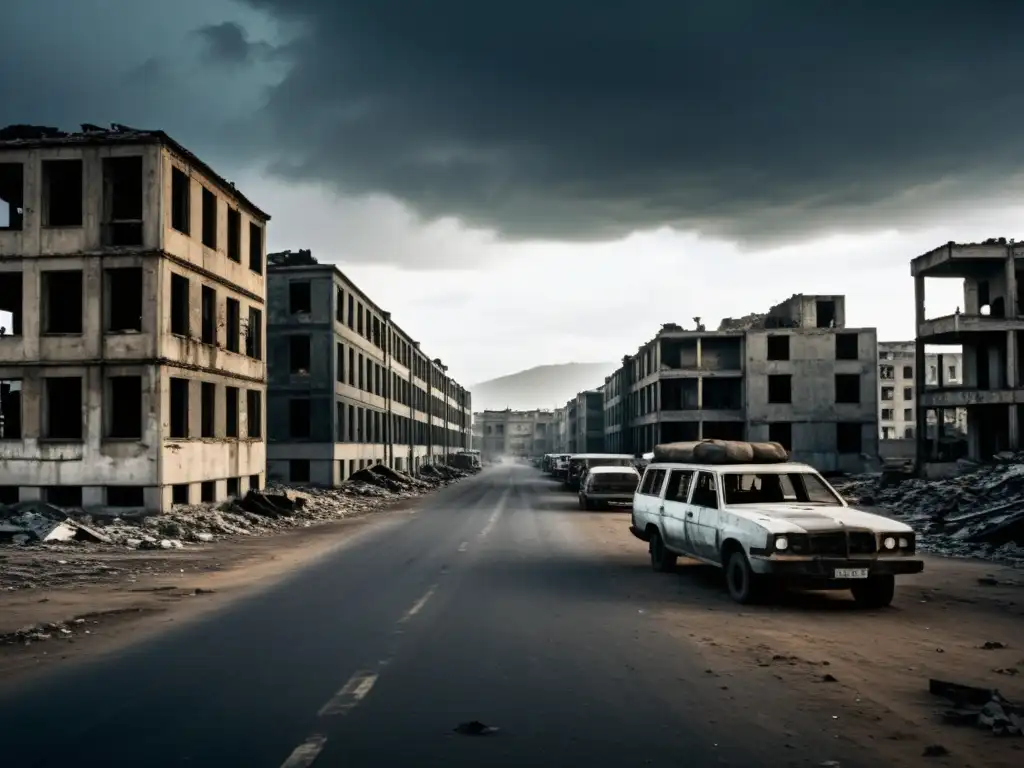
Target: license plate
{"points": [[851, 573]]}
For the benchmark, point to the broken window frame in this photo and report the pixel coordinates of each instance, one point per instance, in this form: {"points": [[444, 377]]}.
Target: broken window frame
{"points": [[254, 334], [72, 214], [14, 283], [12, 409], [121, 222], [52, 398], [12, 192], [300, 297], [50, 304], [120, 390], [181, 201], [116, 310], [208, 209]]}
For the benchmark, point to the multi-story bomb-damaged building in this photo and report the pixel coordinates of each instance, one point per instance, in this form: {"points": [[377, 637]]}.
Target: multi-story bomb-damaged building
{"points": [[348, 387], [795, 375], [514, 433], [131, 300], [990, 328]]}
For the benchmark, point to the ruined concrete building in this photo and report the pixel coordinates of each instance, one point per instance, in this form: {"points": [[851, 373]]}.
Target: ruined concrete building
{"points": [[131, 307], [989, 328], [584, 423], [348, 387], [897, 392], [796, 375], [514, 433]]}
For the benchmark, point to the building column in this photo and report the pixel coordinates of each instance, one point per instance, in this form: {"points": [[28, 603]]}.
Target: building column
{"points": [[920, 373]]}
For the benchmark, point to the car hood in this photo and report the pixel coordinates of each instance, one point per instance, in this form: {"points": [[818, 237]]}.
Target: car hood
{"points": [[813, 518]]}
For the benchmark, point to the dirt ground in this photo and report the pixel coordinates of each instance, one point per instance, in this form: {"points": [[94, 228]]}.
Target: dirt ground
{"points": [[84, 601], [868, 669]]}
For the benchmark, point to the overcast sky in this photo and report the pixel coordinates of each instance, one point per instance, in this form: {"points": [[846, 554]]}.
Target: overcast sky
{"points": [[534, 182]]}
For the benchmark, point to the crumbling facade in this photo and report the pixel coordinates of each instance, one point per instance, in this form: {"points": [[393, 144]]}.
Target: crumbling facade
{"points": [[897, 388], [988, 328], [131, 301], [348, 387], [589, 434], [515, 433], [795, 375]]}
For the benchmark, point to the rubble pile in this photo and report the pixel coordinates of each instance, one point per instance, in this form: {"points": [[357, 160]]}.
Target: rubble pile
{"points": [[255, 514], [980, 707], [977, 514]]}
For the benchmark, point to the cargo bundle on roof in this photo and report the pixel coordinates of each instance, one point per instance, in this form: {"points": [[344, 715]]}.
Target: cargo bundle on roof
{"points": [[721, 452]]}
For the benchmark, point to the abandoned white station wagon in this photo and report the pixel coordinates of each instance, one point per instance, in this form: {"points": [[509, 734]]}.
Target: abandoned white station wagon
{"points": [[770, 522]]}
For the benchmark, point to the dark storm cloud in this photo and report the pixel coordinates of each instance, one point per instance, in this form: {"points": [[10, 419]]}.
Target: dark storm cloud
{"points": [[589, 119], [228, 43]]}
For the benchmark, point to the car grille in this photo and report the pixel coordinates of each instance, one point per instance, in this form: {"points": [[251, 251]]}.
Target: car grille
{"points": [[843, 544]]}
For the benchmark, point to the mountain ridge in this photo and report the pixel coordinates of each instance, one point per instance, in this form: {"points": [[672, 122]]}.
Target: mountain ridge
{"points": [[540, 387]]}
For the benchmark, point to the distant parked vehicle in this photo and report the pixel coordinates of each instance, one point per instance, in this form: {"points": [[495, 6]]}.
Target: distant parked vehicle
{"points": [[604, 486], [581, 462]]}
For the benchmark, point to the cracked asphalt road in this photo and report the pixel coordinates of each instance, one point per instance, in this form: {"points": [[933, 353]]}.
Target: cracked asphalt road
{"points": [[488, 604]]}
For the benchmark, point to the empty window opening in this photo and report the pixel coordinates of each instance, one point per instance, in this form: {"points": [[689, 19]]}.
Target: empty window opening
{"points": [[123, 293], [62, 302], [908, 433], [180, 200], [208, 409], [847, 346], [908, 414], [10, 303], [298, 470], [886, 372], [888, 414], [254, 334], [351, 311], [825, 313], [340, 363], [12, 196], [231, 411], [778, 347], [725, 394], [209, 225], [62, 193], [208, 491], [125, 407], [339, 309], [179, 408], [888, 393], [254, 482], [351, 367], [10, 409], [122, 201], [255, 248], [233, 329], [63, 414], [209, 307], [300, 297], [179, 305], [126, 496], [234, 484], [781, 432], [63, 495], [848, 388], [848, 437], [234, 235], [359, 320], [780, 388], [254, 412], [908, 393], [299, 417], [908, 371], [179, 493]]}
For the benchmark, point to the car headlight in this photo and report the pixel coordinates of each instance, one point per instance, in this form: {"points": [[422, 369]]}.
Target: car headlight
{"points": [[889, 543], [781, 543], [904, 542]]}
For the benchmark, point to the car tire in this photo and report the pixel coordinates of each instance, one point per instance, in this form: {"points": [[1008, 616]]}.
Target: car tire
{"points": [[744, 585], [876, 592], [662, 560]]}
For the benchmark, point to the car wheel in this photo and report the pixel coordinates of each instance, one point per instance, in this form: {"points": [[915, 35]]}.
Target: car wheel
{"points": [[876, 592], [744, 585], [662, 560]]}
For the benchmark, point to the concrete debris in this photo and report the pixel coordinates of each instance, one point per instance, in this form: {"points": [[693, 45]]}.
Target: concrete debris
{"points": [[977, 514], [37, 633], [980, 707], [36, 523]]}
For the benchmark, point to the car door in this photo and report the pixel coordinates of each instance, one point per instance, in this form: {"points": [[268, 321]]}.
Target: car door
{"points": [[676, 508], [642, 500], [702, 516]]}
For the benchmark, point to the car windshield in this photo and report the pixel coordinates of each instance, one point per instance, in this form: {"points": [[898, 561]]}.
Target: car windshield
{"points": [[777, 488]]}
